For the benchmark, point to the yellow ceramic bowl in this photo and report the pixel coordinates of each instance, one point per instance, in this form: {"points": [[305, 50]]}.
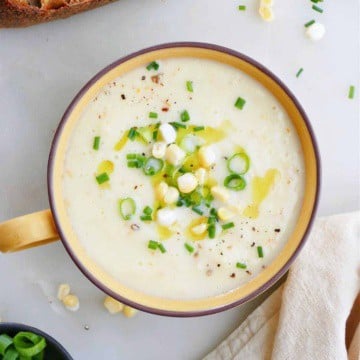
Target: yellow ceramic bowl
{"points": [[45, 230]]}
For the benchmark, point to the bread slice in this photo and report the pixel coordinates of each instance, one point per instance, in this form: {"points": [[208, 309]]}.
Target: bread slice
{"points": [[21, 13]]}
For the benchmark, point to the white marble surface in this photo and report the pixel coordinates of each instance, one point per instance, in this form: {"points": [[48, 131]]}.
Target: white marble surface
{"points": [[42, 68]]}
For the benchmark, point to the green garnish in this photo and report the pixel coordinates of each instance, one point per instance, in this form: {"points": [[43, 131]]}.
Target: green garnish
{"points": [[240, 103], [96, 143], [178, 125], [309, 23], [199, 128], [260, 252], [227, 226], [211, 231], [127, 208], [242, 7], [145, 218], [299, 72], [135, 160], [153, 166], [238, 163], [132, 134], [235, 182], [184, 116], [351, 93], [153, 66], [161, 247], [189, 248], [5, 342], [240, 265], [316, 8], [29, 344], [153, 115], [145, 134], [102, 178], [147, 210], [197, 210], [154, 135], [213, 213], [189, 86], [153, 245]]}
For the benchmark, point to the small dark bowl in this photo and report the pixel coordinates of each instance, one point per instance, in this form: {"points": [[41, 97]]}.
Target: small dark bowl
{"points": [[53, 350]]}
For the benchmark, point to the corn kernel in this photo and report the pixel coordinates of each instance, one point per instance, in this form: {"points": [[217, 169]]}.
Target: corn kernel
{"points": [[206, 157], [166, 217], [113, 306], [225, 213], [161, 190], [200, 174], [199, 229], [171, 195], [63, 290], [220, 193], [174, 155], [159, 149], [71, 302], [187, 183], [168, 133], [129, 311], [266, 13]]}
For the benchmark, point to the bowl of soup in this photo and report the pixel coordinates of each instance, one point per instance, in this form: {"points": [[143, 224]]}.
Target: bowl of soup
{"points": [[183, 179]]}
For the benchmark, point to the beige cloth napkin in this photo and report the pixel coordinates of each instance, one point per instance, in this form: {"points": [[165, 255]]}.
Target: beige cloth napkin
{"points": [[305, 318]]}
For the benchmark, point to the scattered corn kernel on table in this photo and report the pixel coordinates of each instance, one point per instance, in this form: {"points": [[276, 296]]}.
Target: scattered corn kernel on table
{"points": [[43, 67]]}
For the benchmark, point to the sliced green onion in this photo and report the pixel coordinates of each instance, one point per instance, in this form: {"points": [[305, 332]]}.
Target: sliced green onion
{"points": [[199, 128], [153, 245], [147, 210], [184, 116], [242, 7], [131, 156], [145, 134], [351, 93], [238, 163], [240, 103], [299, 72], [213, 212], [211, 231], [211, 220], [235, 182], [197, 210], [127, 208], [102, 178], [11, 354], [189, 143], [316, 8], [132, 134], [227, 226], [145, 218], [135, 160], [5, 342], [240, 265], [260, 252], [153, 166], [189, 248], [309, 23], [28, 344], [153, 66], [153, 115], [316, 1], [189, 86], [96, 143], [154, 135], [178, 125], [161, 248]]}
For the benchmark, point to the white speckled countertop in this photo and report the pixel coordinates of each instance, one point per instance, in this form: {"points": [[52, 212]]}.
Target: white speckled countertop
{"points": [[42, 68]]}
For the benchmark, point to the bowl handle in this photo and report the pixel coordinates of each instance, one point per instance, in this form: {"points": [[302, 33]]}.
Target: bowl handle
{"points": [[27, 231]]}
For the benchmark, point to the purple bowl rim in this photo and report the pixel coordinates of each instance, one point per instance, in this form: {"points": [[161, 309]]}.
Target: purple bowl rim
{"points": [[63, 121], [23, 327]]}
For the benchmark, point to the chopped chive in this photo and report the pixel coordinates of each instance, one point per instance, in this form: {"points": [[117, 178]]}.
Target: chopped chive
{"points": [[299, 72], [127, 208], [161, 248], [240, 103], [211, 231], [235, 182], [153, 115], [132, 134], [147, 210], [238, 163], [153, 66], [240, 265], [96, 143], [153, 166], [145, 218], [228, 226], [197, 210], [260, 252], [199, 128], [351, 93], [316, 8], [155, 134], [131, 156], [316, 1], [102, 178], [309, 23], [242, 7], [189, 248], [178, 125], [184, 116], [153, 245], [189, 86]]}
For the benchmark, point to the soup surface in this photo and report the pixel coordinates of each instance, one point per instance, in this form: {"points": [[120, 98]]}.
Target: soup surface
{"points": [[184, 178]]}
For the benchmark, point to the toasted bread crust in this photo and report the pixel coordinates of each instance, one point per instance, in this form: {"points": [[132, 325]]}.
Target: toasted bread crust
{"points": [[17, 15]]}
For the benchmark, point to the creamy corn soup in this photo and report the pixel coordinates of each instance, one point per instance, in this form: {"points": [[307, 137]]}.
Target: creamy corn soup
{"points": [[183, 178]]}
